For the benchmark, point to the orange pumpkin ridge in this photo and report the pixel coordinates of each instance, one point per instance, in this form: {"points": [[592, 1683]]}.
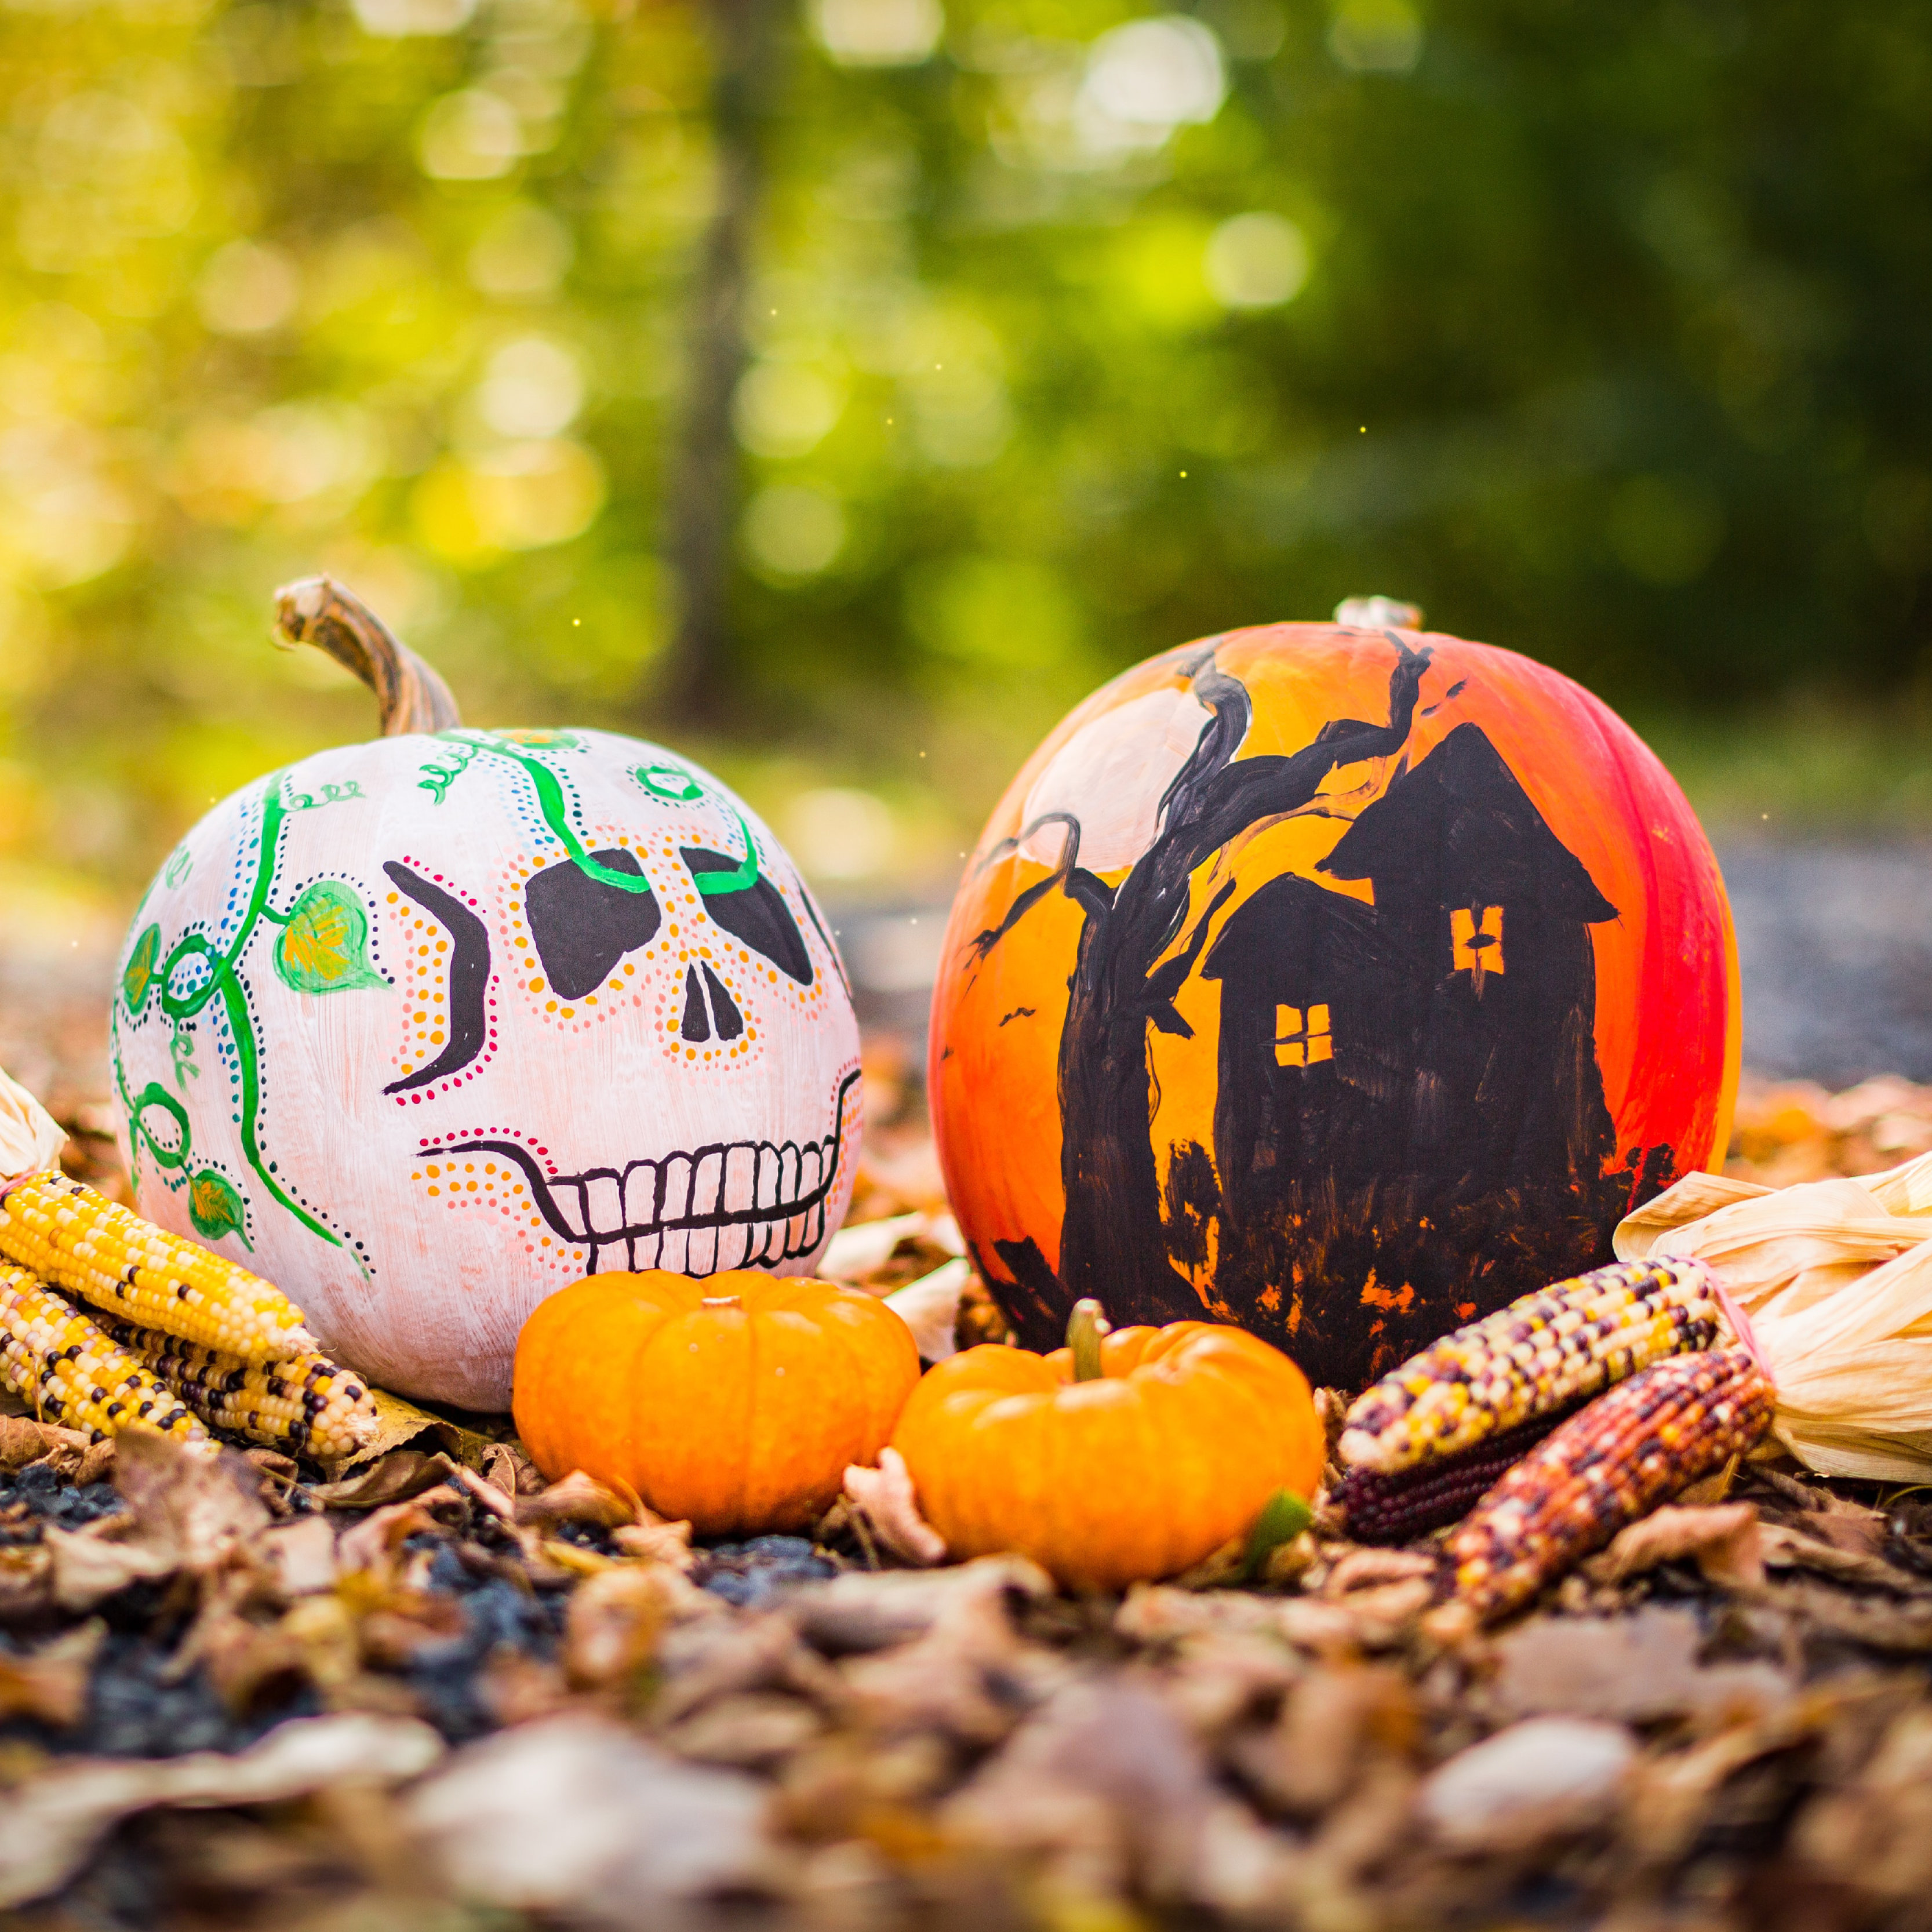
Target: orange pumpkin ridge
{"points": [[1172, 1451], [735, 1403]]}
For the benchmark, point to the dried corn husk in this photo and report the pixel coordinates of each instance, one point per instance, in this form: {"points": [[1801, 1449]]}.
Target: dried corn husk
{"points": [[30, 1137], [1834, 1280]]}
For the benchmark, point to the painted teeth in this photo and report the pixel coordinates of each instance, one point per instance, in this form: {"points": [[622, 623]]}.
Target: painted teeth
{"points": [[752, 1197], [749, 1204], [705, 1250]]}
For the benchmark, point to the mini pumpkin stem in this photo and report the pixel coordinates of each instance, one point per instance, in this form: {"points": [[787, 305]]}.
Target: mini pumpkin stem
{"points": [[1085, 1328], [317, 611]]}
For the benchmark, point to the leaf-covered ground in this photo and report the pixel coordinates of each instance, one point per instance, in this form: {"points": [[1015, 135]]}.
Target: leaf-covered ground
{"points": [[440, 1693]]}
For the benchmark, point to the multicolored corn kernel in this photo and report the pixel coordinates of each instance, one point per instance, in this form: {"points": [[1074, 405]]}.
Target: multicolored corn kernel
{"points": [[1613, 1460], [1542, 1353], [310, 1406], [1399, 1507], [73, 1373], [78, 1240]]}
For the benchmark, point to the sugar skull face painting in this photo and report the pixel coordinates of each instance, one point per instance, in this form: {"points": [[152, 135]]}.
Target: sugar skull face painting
{"points": [[425, 1029], [1342, 983]]}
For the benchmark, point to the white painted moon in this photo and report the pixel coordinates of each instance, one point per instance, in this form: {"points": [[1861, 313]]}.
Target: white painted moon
{"points": [[1111, 776]]}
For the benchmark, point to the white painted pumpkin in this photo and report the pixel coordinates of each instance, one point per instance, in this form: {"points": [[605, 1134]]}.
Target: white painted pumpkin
{"points": [[425, 1029]]}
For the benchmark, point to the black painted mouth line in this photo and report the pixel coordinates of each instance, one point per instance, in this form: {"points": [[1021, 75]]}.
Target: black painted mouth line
{"points": [[735, 1204]]}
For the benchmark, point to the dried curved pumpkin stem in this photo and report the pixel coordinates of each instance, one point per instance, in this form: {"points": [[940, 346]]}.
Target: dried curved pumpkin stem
{"points": [[1085, 1328], [317, 611]]}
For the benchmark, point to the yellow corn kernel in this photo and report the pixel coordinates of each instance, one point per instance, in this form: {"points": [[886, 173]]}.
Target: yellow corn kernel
{"points": [[308, 1406], [1542, 1354], [1611, 1462], [52, 1356], [78, 1240]]}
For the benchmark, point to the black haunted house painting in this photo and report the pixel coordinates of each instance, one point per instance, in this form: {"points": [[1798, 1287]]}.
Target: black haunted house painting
{"points": [[1410, 1127]]}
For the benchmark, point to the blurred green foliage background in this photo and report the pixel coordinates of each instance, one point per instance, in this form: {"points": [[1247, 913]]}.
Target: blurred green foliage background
{"points": [[841, 393]]}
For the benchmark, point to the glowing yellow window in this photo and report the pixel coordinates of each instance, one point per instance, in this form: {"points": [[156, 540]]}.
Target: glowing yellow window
{"points": [[1476, 943], [1301, 1036]]}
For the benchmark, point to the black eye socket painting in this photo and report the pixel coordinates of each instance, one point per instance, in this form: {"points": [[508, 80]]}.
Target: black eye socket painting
{"points": [[583, 925], [1353, 1104], [755, 913]]}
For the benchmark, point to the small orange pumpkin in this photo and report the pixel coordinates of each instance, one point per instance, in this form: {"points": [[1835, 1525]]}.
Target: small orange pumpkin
{"points": [[735, 1402], [1115, 1460]]}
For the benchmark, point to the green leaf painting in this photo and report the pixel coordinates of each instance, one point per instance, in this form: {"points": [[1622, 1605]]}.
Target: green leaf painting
{"points": [[215, 1207], [325, 946], [139, 974]]}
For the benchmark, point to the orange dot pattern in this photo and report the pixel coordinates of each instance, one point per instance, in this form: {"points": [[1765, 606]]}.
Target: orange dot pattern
{"points": [[495, 1187]]}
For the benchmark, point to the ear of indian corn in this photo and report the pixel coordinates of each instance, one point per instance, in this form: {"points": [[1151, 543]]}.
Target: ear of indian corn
{"points": [[1402, 1505], [74, 1374], [309, 1406], [1613, 1460], [78, 1240], [1536, 1358]]}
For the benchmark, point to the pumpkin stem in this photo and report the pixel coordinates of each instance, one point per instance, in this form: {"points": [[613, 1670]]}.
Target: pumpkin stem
{"points": [[1085, 1328], [317, 611]]}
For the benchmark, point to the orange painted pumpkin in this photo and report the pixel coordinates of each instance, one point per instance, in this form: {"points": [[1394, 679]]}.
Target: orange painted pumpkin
{"points": [[735, 1402], [1344, 983], [1171, 1448]]}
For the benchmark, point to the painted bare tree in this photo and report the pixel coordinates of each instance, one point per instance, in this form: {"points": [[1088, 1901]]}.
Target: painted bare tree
{"points": [[1113, 1245]]}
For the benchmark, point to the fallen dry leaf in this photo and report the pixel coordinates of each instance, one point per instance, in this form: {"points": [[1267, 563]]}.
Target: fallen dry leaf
{"points": [[859, 1248], [666, 1542], [397, 1422], [1874, 1835], [1668, 1798], [752, 1732], [579, 1498], [88, 1564], [1834, 1519], [1105, 1784], [299, 1556], [1724, 1538], [518, 1688], [706, 1658], [186, 1510], [614, 1620], [1905, 1628], [1331, 1723], [885, 1499], [1634, 1670], [26, 1583], [399, 1474], [48, 1825], [1369, 1569], [1543, 1778], [930, 1308], [197, 1508], [1377, 1618], [23, 1440], [371, 1544], [969, 1674], [1161, 1613], [864, 1610], [579, 1816], [1789, 1548], [51, 1683], [1215, 1683], [1367, 1827]]}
